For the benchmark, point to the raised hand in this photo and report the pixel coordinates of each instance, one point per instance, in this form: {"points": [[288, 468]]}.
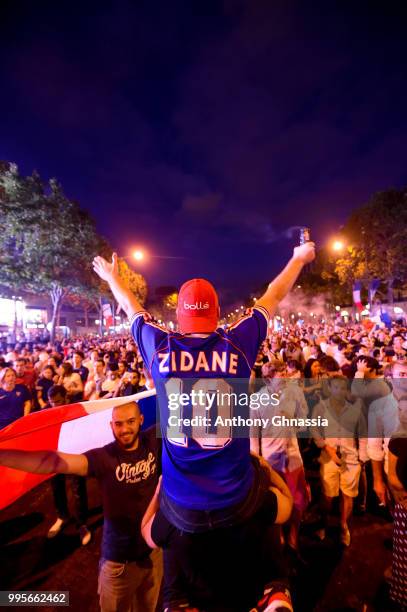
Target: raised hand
{"points": [[362, 366], [104, 269], [305, 253]]}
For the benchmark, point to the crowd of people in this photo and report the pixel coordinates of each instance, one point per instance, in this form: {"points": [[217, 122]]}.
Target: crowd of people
{"points": [[215, 492], [358, 374], [39, 376], [328, 363]]}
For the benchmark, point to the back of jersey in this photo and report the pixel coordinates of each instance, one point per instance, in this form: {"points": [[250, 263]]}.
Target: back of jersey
{"points": [[205, 466]]}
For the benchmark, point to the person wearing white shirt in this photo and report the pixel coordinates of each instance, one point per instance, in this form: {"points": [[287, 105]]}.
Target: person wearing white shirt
{"points": [[339, 354], [306, 349], [112, 381], [279, 445], [327, 347], [90, 361], [71, 381], [341, 452], [95, 380]]}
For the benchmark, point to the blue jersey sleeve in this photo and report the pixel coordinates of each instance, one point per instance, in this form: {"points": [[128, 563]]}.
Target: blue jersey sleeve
{"points": [[249, 332], [148, 336]]}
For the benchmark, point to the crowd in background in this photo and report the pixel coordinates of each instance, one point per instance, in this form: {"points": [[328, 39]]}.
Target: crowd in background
{"points": [[35, 377], [86, 368], [344, 367]]}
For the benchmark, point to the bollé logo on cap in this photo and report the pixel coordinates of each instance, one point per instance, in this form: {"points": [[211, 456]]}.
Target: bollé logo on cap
{"points": [[196, 306]]}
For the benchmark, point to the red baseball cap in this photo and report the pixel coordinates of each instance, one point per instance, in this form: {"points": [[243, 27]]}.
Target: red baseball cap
{"points": [[198, 307]]}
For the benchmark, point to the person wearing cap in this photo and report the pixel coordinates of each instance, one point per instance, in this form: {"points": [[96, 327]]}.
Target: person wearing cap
{"points": [[209, 483]]}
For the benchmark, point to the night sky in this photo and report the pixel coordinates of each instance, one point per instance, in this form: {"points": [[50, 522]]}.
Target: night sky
{"points": [[205, 130]]}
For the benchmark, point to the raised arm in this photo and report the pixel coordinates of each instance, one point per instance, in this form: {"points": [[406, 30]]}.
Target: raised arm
{"points": [[109, 272], [44, 462], [281, 285]]}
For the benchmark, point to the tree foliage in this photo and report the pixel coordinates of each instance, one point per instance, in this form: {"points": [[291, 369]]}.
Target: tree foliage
{"points": [[134, 281], [47, 242], [164, 303], [322, 278], [376, 237]]}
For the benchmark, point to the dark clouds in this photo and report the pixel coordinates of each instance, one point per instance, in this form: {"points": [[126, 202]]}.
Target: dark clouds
{"points": [[206, 129]]}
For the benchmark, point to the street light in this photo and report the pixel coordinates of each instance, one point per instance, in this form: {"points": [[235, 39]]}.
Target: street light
{"points": [[140, 255], [337, 245]]}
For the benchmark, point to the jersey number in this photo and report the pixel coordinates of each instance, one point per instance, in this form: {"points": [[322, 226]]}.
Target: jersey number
{"points": [[205, 433]]}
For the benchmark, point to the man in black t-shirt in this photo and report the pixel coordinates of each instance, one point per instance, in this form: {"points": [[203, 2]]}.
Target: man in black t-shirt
{"points": [[128, 471], [128, 475]]}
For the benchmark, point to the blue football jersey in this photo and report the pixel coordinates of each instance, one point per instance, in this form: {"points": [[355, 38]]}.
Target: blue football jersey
{"points": [[201, 472]]}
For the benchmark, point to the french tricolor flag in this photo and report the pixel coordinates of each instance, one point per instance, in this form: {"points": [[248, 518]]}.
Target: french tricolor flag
{"points": [[357, 288], [74, 428], [107, 314]]}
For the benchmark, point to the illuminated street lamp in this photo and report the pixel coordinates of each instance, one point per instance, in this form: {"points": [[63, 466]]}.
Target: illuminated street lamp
{"points": [[140, 255], [338, 246]]}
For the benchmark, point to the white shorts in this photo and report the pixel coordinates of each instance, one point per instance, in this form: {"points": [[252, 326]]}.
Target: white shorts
{"points": [[340, 477]]}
